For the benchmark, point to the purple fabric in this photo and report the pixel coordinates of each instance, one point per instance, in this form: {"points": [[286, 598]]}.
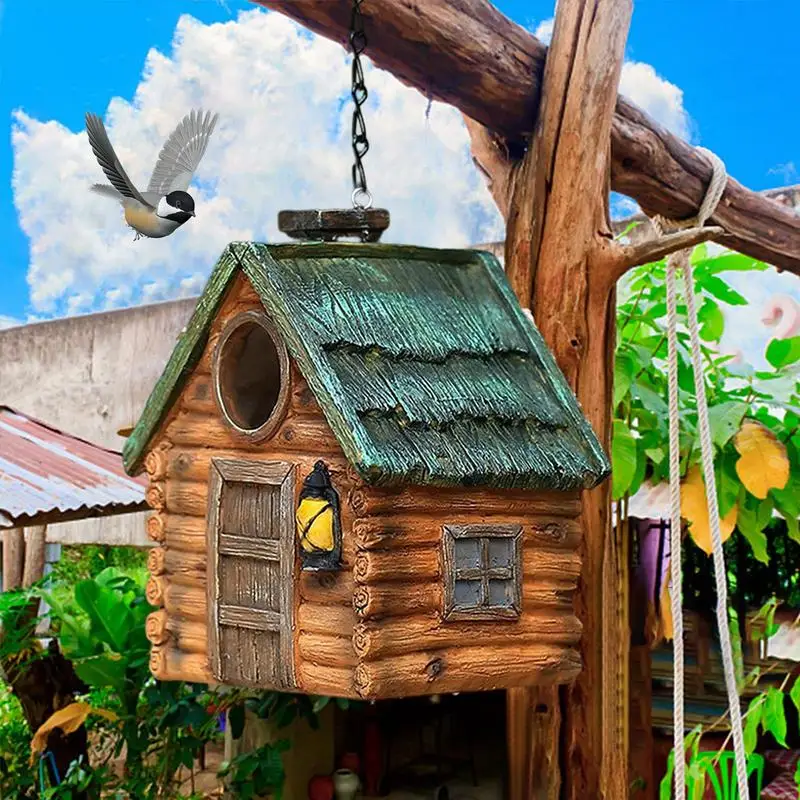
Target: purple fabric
{"points": [[650, 573]]}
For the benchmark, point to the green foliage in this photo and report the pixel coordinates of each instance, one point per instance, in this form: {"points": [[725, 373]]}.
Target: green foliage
{"points": [[736, 394], [16, 776], [101, 630], [99, 622]]}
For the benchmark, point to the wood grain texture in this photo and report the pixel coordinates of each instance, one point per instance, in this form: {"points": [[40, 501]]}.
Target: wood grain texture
{"points": [[471, 56], [534, 721], [168, 663], [367, 502], [188, 602], [557, 248], [326, 651], [330, 588], [373, 641], [328, 620], [191, 464], [424, 563], [330, 225], [402, 531], [251, 587], [188, 636], [465, 669], [326, 680], [33, 569], [13, 558], [380, 600]]}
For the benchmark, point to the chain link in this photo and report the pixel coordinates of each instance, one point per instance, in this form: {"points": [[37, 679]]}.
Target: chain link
{"points": [[358, 43]]}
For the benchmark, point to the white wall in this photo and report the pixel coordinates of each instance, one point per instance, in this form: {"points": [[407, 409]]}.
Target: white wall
{"points": [[90, 376]]}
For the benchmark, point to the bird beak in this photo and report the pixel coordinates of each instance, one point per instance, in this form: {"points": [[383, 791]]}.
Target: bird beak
{"points": [[193, 214]]}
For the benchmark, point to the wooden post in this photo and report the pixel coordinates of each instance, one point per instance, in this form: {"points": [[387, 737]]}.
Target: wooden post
{"points": [[13, 558], [562, 262], [34, 555]]}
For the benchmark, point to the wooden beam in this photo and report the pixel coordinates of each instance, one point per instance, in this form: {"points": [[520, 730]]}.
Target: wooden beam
{"points": [[468, 54], [560, 254]]}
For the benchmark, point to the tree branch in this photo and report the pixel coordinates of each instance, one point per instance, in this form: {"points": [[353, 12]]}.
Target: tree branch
{"points": [[468, 54], [627, 256]]}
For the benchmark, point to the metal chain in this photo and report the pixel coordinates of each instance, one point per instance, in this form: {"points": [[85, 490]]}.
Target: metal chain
{"points": [[358, 43]]}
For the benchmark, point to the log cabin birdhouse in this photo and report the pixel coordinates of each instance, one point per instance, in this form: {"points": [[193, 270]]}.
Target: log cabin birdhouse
{"points": [[365, 468]]}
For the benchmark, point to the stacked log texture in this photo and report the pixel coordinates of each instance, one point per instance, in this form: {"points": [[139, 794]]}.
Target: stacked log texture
{"points": [[178, 468], [375, 628], [404, 648]]}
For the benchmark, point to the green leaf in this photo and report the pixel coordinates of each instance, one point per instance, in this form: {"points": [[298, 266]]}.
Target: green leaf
{"points": [[774, 717], [725, 419], [793, 528], [720, 289], [783, 352], [320, 703], [712, 321], [655, 454], [665, 789], [651, 400], [728, 483], [728, 262], [747, 524], [795, 693], [110, 617], [623, 458], [751, 723], [640, 472], [102, 671], [624, 370]]}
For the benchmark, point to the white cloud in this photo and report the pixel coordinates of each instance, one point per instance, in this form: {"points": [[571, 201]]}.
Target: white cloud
{"points": [[662, 100], [544, 30], [282, 142]]}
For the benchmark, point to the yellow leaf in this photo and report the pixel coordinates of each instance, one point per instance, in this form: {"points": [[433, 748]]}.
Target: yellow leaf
{"points": [[68, 719], [764, 464], [695, 511]]}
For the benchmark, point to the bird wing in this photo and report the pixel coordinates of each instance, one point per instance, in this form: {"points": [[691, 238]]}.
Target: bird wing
{"points": [[107, 158], [181, 153]]}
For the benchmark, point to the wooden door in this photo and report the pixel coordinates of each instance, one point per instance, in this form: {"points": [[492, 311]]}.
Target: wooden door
{"points": [[251, 573]]}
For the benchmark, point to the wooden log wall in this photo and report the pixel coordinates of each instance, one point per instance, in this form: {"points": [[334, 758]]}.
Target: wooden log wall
{"points": [[403, 646], [178, 468]]}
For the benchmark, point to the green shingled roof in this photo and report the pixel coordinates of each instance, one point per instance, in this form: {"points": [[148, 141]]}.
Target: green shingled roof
{"points": [[423, 363]]}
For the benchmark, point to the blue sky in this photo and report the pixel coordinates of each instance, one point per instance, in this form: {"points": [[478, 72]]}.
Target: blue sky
{"points": [[734, 61]]}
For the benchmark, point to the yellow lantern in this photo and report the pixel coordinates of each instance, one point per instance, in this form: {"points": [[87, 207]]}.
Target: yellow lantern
{"points": [[319, 527]]}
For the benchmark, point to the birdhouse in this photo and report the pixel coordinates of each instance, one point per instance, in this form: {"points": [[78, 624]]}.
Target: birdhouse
{"points": [[365, 469]]}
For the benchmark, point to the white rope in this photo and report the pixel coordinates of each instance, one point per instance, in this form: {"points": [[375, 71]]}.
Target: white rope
{"points": [[675, 262]]}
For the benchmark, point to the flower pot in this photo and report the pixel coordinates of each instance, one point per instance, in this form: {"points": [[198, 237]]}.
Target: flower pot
{"points": [[345, 784], [320, 787]]}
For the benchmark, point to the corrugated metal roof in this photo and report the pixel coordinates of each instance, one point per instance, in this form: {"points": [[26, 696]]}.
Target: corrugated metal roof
{"points": [[46, 474]]}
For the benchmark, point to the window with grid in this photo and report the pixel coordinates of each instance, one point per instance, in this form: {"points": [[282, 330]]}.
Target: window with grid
{"points": [[482, 571]]}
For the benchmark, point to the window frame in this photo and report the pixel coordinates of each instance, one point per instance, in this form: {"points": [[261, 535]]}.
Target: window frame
{"points": [[483, 533], [270, 426]]}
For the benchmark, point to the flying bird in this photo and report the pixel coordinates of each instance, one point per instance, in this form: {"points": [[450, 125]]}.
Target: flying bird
{"points": [[166, 205]]}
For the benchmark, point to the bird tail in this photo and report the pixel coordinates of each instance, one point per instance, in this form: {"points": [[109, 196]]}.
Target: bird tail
{"points": [[105, 190]]}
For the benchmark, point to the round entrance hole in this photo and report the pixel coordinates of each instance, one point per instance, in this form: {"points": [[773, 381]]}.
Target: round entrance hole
{"points": [[251, 375]]}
